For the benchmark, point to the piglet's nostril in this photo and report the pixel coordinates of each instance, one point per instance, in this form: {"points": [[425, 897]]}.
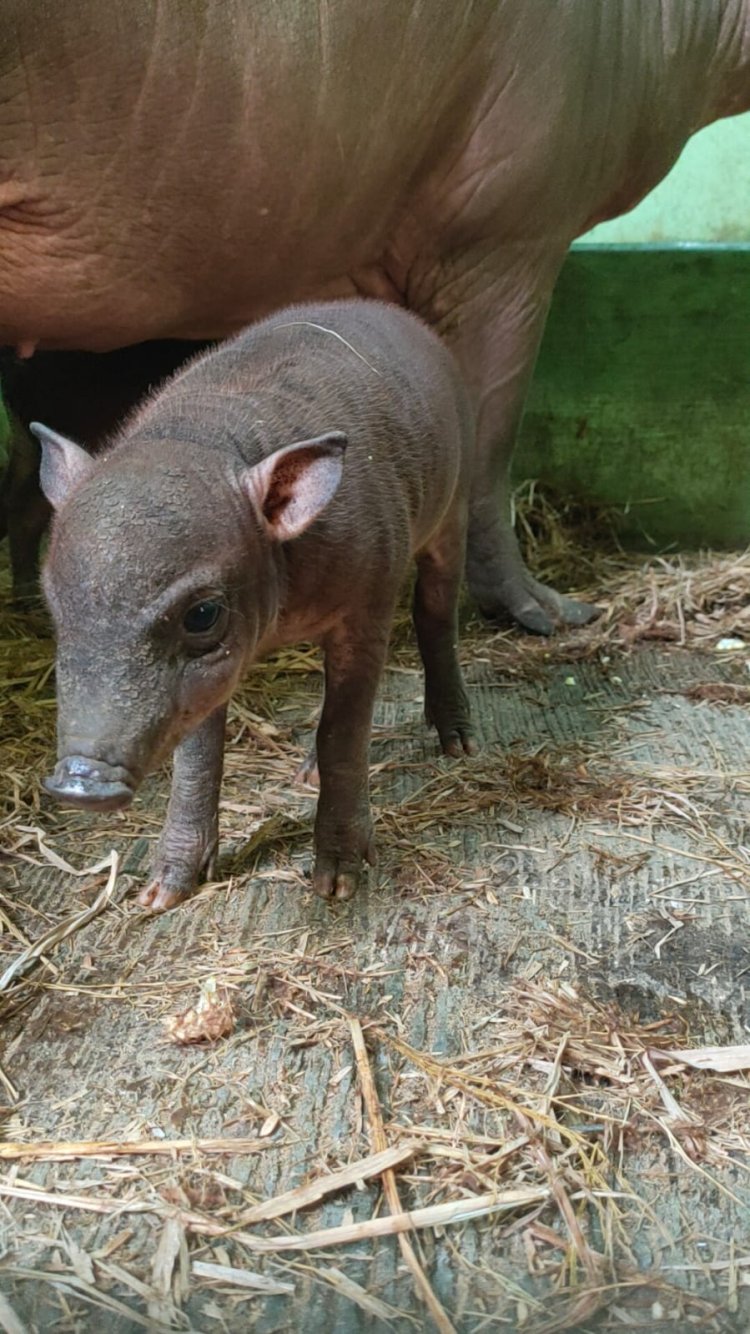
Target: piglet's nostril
{"points": [[79, 767]]}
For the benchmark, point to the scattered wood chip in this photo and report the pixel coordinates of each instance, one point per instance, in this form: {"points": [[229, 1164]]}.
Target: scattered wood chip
{"points": [[209, 1020], [80, 1260], [9, 1322], [722, 1060], [241, 1278], [314, 1191], [271, 1123], [114, 1244], [171, 1240], [357, 1294]]}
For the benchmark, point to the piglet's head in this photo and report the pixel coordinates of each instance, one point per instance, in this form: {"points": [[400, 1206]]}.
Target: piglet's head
{"points": [[162, 576]]}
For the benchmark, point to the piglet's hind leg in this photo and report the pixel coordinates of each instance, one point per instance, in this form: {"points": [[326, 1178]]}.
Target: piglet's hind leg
{"points": [[435, 611], [355, 656]]}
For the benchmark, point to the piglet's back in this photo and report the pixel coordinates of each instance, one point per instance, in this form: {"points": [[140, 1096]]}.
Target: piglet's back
{"points": [[367, 368]]}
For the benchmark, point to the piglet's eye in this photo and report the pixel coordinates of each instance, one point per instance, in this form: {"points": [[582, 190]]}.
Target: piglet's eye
{"points": [[202, 617]]}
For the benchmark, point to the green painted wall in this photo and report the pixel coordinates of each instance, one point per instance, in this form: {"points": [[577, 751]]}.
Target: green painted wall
{"points": [[641, 397], [705, 197]]}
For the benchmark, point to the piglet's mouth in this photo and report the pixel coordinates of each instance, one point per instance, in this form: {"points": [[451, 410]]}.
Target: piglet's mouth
{"points": [[91, 784]]}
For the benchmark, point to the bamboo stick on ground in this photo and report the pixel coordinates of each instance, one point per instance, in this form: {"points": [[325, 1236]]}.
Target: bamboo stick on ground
{"points": [[376, 1165], [62, 1151], [84, 1202], [434, 1215], [390, 1187]]}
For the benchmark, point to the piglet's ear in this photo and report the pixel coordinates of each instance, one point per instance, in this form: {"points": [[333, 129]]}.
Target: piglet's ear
{"points": [[64, 464], [291, 487]]}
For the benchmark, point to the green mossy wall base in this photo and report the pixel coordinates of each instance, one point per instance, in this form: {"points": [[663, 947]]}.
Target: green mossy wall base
{"points": [[641, 397]]}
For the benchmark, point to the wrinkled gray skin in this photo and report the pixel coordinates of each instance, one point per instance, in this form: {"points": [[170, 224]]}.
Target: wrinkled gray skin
{"points": [[175, 171], [288, 477], [86, 395]]}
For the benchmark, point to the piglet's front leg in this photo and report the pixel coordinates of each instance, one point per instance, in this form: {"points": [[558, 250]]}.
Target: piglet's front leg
{"points": [[188, 842], [343, 824]]}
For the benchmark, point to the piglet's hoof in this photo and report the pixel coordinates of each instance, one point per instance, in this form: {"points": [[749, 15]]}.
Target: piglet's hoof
{"points": [[452, 726], [158, 897], [175, 877], [458, 743], [308, 774], [338, 877]]}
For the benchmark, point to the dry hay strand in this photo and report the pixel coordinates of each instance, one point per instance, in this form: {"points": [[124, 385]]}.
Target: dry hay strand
{"points": [[694, 600], [698, 603], [565, 541], [538, 1127], [689, 600], [691, 597], [577, 782], [591, 1090], [718, 692], [390, 1186], [566, 1093]]}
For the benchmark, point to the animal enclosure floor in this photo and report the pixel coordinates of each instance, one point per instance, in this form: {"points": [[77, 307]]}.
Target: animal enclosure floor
{"points": [[550, 928]]}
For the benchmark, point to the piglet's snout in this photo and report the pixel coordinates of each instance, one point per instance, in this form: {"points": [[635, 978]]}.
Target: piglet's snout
{"points": [[91, 783]]}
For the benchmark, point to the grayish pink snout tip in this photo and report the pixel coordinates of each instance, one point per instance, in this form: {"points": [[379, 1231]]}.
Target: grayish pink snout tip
{"points": [[91, 784]]}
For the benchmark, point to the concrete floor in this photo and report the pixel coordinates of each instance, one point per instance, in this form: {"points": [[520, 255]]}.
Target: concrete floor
{"points": [[609, 853]]}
